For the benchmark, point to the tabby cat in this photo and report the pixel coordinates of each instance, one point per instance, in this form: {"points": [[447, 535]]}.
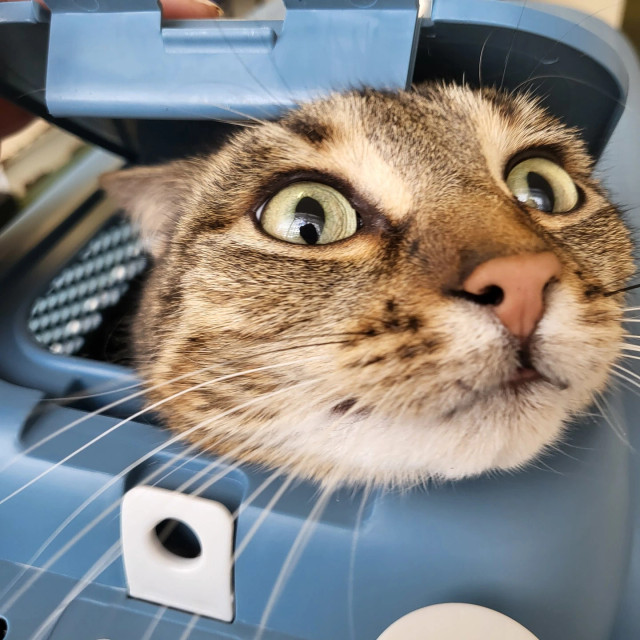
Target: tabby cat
{"points": [[384, 288]]}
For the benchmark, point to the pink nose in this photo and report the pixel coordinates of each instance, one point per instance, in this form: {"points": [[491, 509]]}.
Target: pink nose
{"points": [[514, 286]]}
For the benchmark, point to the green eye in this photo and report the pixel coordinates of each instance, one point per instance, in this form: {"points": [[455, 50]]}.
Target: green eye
{"points": [[309, 213], [542, 184]]}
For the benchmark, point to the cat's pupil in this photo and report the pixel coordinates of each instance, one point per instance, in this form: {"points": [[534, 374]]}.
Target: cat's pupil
{"points": [[309, 215], [540, 192]]}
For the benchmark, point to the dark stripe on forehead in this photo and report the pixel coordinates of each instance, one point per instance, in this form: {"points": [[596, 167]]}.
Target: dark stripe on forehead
{"points": [[314, 132]]}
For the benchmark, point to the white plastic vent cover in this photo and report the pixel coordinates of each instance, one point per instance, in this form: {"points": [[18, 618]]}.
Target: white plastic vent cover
{"points": [[456, 621], [199, 584]]}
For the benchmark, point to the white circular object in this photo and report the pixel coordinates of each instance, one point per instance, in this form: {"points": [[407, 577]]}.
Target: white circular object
{"points": [[456, 621]]}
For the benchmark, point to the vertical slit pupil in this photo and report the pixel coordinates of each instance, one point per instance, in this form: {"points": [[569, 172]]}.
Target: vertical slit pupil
{"points": [[310, 216], [541, 192]]}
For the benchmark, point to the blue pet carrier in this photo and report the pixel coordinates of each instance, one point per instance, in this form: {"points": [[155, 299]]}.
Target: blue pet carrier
{"points": [[551, 552]]}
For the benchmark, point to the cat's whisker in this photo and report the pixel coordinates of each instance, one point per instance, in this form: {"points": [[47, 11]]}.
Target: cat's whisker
{"points": [[157, 472], [107, 558], [292, 557], [484, 45], [513, 41], [94, 413], [189, 627], [570, 79], [352, 562], [125, 421], [153, 625], [630, 357], [261, 518], [562, 38], [619, 367], [84, 396], [635, 385], [245, 504], [617, 429], [621, 382], [89, 527]]}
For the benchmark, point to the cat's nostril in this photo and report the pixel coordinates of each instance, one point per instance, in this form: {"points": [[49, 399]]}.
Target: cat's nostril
{"points": [[515, 286], [491, 295]]}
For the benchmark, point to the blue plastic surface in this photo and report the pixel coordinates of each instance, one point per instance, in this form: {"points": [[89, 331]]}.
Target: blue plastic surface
{"points": [[555, 546], [220, 68]]}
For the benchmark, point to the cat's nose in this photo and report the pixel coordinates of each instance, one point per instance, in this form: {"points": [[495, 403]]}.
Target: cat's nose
{"points": [[514, 286]]}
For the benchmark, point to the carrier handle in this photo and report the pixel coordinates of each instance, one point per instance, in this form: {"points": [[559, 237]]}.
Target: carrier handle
{"points": [[119, 59]]}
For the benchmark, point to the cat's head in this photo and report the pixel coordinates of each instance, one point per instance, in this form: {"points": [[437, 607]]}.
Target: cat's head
{"points": [[381, 287]]}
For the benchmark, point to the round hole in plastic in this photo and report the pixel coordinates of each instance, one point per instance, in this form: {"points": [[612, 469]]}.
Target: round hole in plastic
{"points": [[4, 627], [177, 538]]}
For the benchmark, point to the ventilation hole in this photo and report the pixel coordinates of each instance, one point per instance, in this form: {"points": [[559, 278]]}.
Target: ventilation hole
{"points": [[4, 627], [177, 538]]}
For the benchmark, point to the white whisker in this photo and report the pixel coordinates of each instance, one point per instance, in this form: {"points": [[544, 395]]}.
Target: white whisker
{"points": [[296, 549], [260, 519], [148, 455], [619, 431], [119, 424], [189, 628], [109, 556], [352, 563]]}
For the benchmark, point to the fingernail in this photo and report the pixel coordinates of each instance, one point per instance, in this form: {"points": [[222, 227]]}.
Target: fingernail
{"points": [[212, 6]]}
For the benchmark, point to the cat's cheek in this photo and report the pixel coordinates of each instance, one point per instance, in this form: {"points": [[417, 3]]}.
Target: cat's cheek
{"points": [[578, 352]]}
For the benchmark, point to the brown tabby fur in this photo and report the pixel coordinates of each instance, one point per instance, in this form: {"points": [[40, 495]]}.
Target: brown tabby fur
{"points": [[378, 374]]}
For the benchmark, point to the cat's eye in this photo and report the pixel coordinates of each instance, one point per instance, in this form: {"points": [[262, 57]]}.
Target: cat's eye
{"points": [[544, 185], [309, 213]]}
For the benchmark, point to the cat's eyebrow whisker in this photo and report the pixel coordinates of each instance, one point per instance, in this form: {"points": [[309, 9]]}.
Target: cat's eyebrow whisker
{"points": [[484, 44], [569, 78], [16, 595], [292, 557], [142, 411], [561, 39], [513, 41]]}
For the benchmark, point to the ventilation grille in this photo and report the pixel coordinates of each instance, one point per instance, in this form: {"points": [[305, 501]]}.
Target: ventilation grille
{"points": [[95, 281]]}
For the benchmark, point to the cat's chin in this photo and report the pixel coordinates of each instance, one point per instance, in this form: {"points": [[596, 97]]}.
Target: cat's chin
{"points": [[498, 431]]}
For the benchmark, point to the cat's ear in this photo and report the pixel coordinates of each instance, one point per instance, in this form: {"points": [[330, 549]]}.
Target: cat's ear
{"points": [[153, 197]]}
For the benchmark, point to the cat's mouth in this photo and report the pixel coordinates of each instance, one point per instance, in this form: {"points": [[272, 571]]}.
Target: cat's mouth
{"points": [[524, 375]]}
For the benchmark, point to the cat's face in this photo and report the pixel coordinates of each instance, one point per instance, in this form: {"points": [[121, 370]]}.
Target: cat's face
{"points": [[367, 355]]}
